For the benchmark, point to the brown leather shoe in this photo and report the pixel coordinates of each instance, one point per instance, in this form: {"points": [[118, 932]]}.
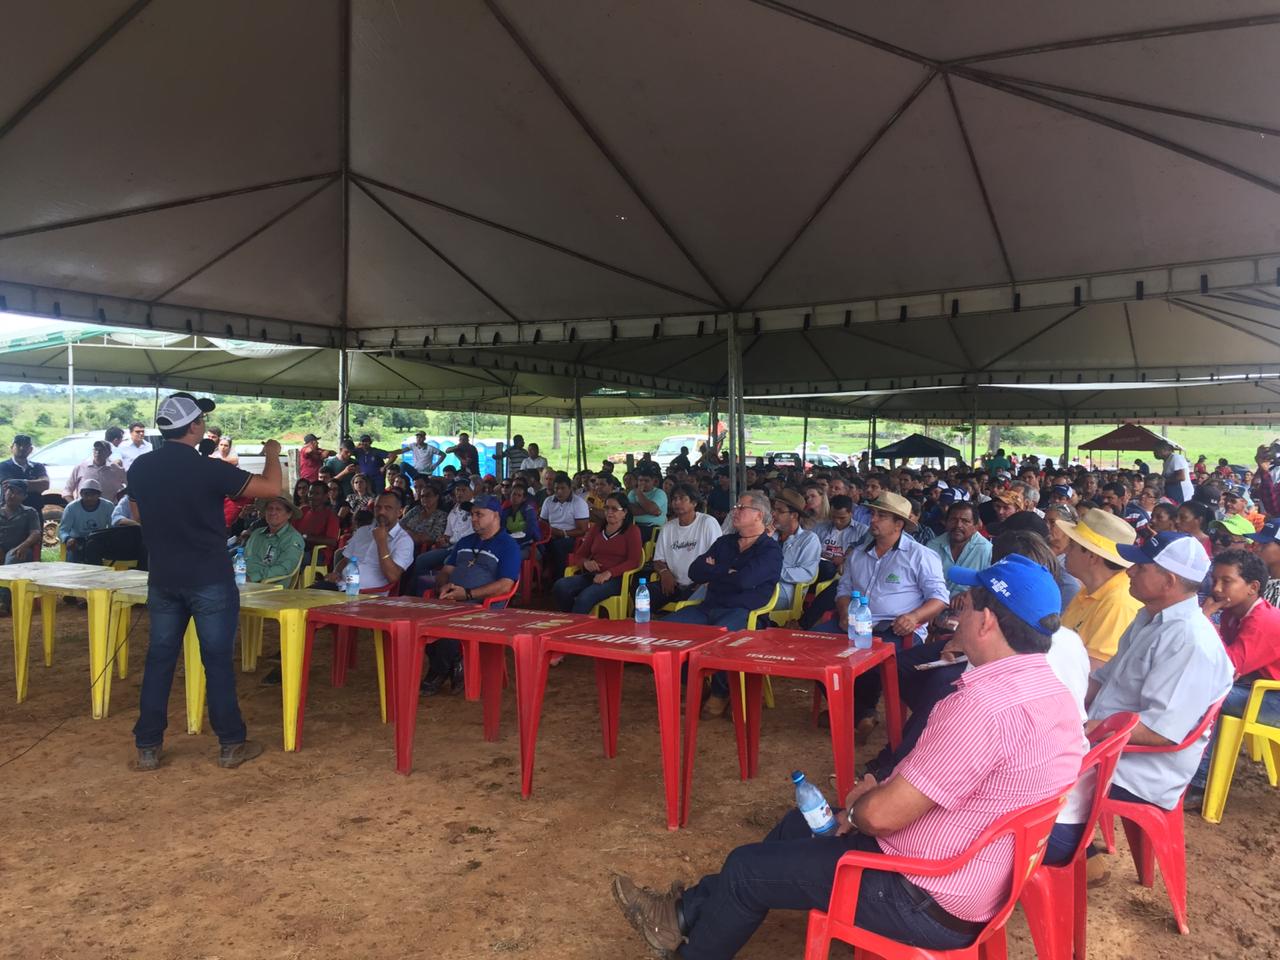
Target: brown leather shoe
{"points": [[232, 755], [1097, 870], [714, 707], [866, 727], [652, 914]]}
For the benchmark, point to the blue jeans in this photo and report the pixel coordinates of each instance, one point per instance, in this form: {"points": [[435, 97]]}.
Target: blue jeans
{"points": [[919, 690], [731, 618], [216, 610], [1064, 838], [579, 594], [427, 563], [1233, 706], [794, 870]]}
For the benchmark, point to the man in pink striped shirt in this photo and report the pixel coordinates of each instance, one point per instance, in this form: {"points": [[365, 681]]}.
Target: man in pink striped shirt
{"points": [[1007, 738]]}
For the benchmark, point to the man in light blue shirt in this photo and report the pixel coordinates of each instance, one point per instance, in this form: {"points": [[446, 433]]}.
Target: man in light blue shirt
{"points": [[801, 549], [1169, 669], [648, 500], [961, 545], [903, 583], [89, 514]]}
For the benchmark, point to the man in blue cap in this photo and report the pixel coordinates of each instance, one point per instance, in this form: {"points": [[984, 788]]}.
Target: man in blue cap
{"points": [[483, 564], [938, 801]]}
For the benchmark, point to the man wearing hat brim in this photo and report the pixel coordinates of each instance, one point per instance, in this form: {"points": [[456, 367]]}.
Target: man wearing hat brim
{"points": [[801, 549], [1103, 608], [177, 496], [1169, 669], [1232, 530], [274, 551], [1267, 542], [902, 581], [83, 517], [311, 457], [483, 564]]}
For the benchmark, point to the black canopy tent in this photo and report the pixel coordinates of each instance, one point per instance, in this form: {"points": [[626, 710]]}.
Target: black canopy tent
{"points": [[917, 446]]}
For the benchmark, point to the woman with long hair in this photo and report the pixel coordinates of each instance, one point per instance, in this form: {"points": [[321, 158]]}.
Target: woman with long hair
{"points": [[1194, 518], [605, 555]]}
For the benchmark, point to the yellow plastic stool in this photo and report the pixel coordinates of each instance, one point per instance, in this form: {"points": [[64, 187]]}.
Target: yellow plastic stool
{"points": [[1265, 741]]}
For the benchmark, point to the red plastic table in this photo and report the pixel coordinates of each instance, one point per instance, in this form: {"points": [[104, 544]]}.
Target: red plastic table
{"points": [[485, 634], [394, 620], [805, 655], [662, 646]]}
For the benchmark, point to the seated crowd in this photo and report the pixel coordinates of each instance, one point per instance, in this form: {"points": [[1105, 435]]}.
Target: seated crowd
{"points": [[1052, 596]]}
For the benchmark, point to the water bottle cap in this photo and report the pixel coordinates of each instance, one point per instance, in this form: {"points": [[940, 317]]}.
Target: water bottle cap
{"points": [[797, 776]]}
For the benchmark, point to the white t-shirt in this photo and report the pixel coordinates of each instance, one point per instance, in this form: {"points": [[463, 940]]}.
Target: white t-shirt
{"points": [[679, 546], [425, 456], [364, 551], [564, 515], [533, 463], [1172, 464]]}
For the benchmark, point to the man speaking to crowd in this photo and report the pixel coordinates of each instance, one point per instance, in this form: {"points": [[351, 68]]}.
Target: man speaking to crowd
{"points": [[177, 496]]}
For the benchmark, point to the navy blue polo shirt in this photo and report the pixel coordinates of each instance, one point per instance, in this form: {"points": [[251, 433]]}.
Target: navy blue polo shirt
{"points": [[179, 496], [479, 562]]}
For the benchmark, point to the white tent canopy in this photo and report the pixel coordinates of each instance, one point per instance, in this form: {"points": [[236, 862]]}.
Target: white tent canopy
{"points": [[574, 170]]}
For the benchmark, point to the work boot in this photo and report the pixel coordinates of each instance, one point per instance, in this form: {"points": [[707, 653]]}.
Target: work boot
{"points": [[866, 727], [231, 755], [654, 915], [713, 707], [148, 759], [1097, 870]]}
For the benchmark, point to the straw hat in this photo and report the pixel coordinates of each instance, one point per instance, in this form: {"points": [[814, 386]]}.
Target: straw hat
{"points": [[1100, 531], [892, 503]]}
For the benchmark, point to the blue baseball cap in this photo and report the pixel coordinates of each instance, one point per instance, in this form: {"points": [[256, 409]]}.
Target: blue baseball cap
{"points": [[1061, 490], [487, 502], [1021, 584], [1269, 533]]}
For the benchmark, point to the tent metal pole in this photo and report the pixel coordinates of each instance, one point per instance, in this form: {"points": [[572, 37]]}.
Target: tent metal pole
{"points": [[732, 423], [711, 427], [506, 467], [343, 377], [871, 446], [973, 434], [804, 440], [742, 422], [156, 411], [1066, 437], [71, 387]]}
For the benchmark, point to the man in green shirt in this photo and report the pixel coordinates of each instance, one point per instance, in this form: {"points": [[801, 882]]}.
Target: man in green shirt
{"points": [[276, 549]]}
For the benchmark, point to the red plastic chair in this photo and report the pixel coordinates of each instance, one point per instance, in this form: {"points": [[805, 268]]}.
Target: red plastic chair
{"points": [[1029, 829], [531, 566], [1055, 899], [1155, 834], [344, 638]]}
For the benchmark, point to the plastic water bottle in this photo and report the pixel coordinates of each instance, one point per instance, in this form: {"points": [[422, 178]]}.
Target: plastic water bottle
{"points": [[855, 601], [352, 577], [861, 625], [239, 566], [814, 806], [642, 601]]}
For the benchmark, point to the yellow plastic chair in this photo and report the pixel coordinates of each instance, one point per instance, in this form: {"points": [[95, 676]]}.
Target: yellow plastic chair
{"points": [[251, 625], [613, 608], [753, 619], [312, 568], [781, 617], [1264, 740]]}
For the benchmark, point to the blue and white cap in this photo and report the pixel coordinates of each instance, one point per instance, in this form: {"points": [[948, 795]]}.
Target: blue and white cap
{"points": [[1026, 588]]}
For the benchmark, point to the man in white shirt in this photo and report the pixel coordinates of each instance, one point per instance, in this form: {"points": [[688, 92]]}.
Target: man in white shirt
{"points": [[533, 461], [383, 549], [1177, 473], [135, 446], [679, 544], [567, 515], [426, 455]]}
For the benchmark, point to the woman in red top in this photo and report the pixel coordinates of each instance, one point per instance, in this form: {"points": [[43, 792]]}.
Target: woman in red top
{"points": [[605, 555], [1194, 518]]}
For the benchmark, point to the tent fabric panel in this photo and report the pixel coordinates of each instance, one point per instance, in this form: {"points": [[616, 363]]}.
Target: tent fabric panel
{"points": [[534, 282], [137, 123], [52, 33], [141, 257], [1128, 197], [292, 270], [910, 217], [445, 105], [953, 31], [917, 445], [723, 111], [1171, 71]]}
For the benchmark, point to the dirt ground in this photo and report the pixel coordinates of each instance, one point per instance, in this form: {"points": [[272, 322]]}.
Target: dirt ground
{"points": [[328, 853]]}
